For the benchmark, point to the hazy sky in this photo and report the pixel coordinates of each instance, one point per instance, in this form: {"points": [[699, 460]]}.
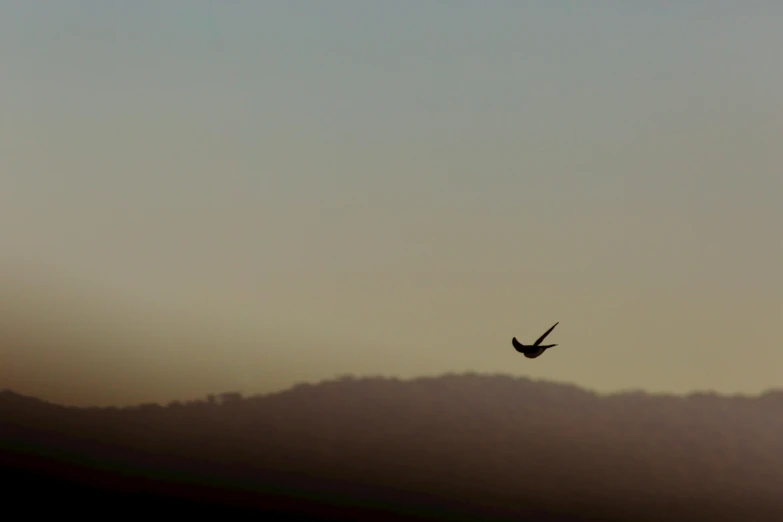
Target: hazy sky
{"points": [[307, 189]]}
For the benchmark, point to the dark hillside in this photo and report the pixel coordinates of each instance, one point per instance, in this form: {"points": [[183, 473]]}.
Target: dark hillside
{"points": [[467, 446]]}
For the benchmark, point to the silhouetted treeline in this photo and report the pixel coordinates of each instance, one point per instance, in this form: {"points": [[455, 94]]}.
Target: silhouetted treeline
{"points": [[466, 446]]}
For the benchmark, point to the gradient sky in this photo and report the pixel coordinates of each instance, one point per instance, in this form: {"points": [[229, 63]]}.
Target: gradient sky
{"points": [[198, 197]]}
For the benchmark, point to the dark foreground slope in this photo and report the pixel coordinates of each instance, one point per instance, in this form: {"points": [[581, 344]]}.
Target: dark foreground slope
{"points": [[450, 448]]}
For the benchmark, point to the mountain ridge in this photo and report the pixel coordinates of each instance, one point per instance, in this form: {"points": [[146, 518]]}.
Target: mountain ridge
{"points": [[482, 443], [768, 394]]}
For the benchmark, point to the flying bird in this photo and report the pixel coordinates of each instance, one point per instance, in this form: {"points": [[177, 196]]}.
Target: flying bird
{"points": [[531, 351]]}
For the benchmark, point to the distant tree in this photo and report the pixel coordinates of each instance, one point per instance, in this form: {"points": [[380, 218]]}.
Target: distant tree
{"points": [[229, 397]]}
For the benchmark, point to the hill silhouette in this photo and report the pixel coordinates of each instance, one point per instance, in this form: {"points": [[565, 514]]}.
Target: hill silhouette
{"points": [[472, 447]]}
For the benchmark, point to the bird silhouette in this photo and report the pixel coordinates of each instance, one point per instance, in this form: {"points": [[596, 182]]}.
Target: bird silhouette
{"points": [[531, 351]]}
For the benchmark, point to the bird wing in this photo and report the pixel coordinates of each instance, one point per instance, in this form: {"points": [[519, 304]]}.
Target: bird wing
{"points": [[545, 334], [517, 344]]}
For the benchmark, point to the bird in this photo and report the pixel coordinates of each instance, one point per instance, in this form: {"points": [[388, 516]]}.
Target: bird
{"points": [[531, 351]]}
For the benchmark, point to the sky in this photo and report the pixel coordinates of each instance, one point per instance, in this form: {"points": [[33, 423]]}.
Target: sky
{"points": [[198, 197]]}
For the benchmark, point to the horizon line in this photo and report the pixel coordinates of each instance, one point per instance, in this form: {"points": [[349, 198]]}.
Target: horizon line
{"points": [[347, 377]]}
